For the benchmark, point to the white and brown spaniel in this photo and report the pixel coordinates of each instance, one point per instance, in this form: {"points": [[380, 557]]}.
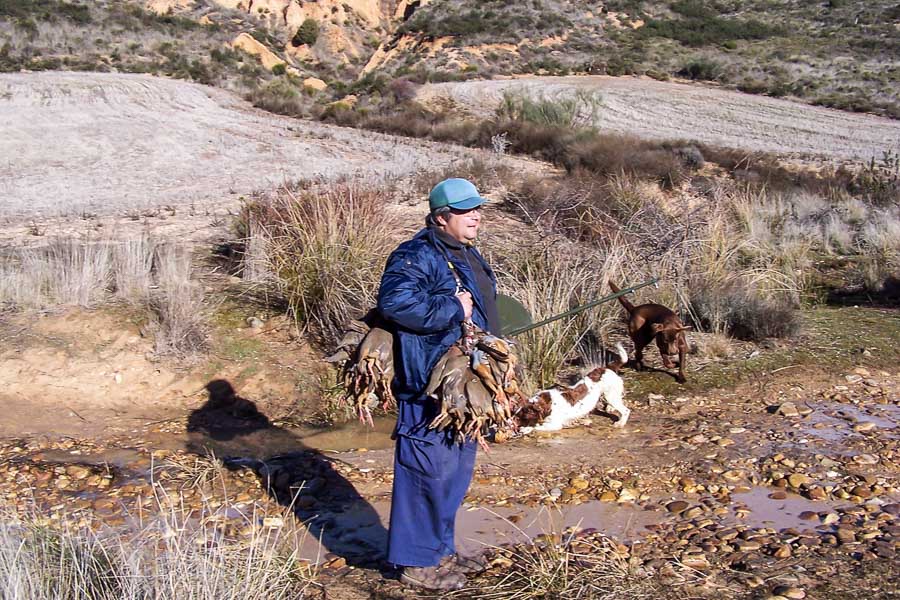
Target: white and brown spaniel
{"points": [[554, 409]]}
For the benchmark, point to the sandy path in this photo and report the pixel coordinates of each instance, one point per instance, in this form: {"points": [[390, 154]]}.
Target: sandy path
{"points": [[100, 143], [664, 110]]}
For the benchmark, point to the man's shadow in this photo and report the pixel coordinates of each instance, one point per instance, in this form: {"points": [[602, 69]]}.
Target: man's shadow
{"points": [[299, 477]]}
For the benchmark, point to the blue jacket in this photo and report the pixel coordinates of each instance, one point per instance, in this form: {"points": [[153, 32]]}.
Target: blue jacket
{"points": [[417, 295]]}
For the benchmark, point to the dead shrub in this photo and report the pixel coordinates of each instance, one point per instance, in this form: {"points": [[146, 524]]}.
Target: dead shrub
{"points": [[325, 249], [741, 312], [613, 154], [133, 269], [402, 90], [486, 174], [548, 280], [178, 313], [410, 123]]}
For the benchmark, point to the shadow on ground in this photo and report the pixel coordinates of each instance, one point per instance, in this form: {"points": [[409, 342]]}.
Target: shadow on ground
{"points": [[299, 477]]}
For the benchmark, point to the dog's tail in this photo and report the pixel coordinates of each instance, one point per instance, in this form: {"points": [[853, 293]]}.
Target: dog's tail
{"points": [[620, 362], [628, 305]]}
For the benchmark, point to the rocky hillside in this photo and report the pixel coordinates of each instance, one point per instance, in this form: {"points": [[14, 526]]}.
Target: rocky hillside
{"points": [[833, 53]]}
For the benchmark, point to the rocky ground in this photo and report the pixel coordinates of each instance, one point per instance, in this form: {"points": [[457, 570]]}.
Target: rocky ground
{"points": [[781, 483]]}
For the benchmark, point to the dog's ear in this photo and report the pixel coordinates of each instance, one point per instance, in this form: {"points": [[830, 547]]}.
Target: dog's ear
{"points": [[657, 327]]}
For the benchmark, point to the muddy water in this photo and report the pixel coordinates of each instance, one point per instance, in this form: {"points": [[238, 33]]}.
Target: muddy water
{"points": [[349, 436], [364, 528], [477, 528], [777, 514], [833, 422]]}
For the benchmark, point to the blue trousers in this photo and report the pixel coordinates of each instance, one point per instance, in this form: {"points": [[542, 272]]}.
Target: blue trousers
{"points": [[431, 477]]}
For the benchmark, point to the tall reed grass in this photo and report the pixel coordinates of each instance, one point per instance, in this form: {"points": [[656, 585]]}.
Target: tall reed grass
{"points": [[326, 249], [141, 271], [171, 554]]}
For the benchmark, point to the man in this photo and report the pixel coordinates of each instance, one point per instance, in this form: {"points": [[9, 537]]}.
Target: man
{"points": [[431, 285]]}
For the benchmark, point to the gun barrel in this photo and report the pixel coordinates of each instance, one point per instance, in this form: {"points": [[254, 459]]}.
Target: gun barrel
{"points": [[582, 308]]}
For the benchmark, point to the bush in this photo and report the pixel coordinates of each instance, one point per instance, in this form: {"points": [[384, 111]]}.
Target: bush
{"points": [[614, 154], [702, 69], [280, 96], [705, 29], [576, 111], [325, 249], [402, 90], [741, 312], [307, 33]]}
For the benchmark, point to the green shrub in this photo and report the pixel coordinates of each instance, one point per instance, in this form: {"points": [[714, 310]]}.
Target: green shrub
{"points": [[280, 96], [279, 69], [307, 33], [702, 69], [577, 111], [708, 30]]}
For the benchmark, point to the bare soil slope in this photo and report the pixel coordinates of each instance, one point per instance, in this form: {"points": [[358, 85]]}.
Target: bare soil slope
{"points": [[104, 144], [666, 110]]}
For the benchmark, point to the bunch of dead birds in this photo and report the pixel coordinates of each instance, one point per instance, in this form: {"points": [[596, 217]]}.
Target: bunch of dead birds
{"points": [[476, 381]]}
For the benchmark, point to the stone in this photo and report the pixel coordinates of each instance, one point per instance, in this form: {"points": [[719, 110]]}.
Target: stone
{"points": [[862, 491], [787, 409], [694, 511], [892, 509], [793, 593], [695, 561], [78, 472], [608, 496], [314, 83], [864, 426], [579, 484], [677, 506], [251, 46], [816, 493], [783, 551], [865, 459], [628, 495], [845, 535], [778, 495], [796, 480]]}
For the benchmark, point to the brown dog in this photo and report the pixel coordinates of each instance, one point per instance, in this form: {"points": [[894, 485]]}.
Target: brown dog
{"points": [[654, 321]]}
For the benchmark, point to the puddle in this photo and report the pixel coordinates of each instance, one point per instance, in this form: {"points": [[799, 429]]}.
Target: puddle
{"points": [[362, 529], [116, 457], [349, 436], [263, 440], [777, 514], [833, 422]]}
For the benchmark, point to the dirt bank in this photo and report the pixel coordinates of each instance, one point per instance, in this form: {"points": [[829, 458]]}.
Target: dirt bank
{"points": [[102, 144], [669, 111]]}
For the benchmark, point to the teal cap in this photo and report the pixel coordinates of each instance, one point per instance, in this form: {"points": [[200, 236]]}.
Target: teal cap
{"points": [[455, 193]]}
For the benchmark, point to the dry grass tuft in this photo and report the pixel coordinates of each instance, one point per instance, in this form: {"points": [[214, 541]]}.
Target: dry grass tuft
{"points": [[565, 566], [326, 249], [176, 307], [167, 557], [549, 280]]}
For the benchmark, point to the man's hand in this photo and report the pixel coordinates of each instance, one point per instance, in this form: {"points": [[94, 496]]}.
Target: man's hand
{"points": [[465, 298]]}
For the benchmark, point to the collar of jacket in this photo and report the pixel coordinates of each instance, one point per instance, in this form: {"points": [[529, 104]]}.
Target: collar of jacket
{"points": [[438, 238]]}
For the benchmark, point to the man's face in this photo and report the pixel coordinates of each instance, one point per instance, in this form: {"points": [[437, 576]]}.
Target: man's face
{"points": [[462, 225]]}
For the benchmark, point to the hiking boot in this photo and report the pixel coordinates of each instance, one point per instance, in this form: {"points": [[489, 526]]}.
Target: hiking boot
{"points": [[463, 564], [430, 578]]}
